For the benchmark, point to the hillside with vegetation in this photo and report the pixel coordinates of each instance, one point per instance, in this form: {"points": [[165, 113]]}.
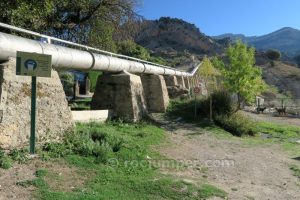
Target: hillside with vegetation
{"points": [[180, 43], [176, 40], [286, 40]]}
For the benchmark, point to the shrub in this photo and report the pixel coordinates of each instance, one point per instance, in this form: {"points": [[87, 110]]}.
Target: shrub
{"points": [[19, 156], [67, 79], [5, 161], [236, 124], [100, 151], [273, 54], [56, 149], [90, 141], [222, 104], [93, 76]]}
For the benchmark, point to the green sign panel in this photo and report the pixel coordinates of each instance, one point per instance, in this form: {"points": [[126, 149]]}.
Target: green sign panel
{"points": [[33, 64]]}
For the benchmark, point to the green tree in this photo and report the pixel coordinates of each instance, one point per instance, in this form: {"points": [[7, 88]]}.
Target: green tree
{"points": [[101, 36], [209, 74], [273, 54], [240, 75], [93, 76], [71, 20], [130, 48]]}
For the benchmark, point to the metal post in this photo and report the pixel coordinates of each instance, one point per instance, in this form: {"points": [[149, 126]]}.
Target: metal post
{"points": [[33, 115], [195, 105]]}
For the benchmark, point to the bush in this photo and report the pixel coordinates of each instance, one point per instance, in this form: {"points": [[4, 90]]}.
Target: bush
{"points": [[67, 79], [91, 141], [273, 54], [222, 104], [236, 124], [5, 161], [93, 76], [19, 156]]}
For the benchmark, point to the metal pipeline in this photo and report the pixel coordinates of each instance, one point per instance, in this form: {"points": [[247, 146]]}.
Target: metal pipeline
{"points": [[68, 58]]}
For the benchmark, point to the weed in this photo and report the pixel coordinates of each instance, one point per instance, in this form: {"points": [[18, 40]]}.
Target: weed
{"points": [[5, 161], [207, 191], [296, 170], [19, 156]]}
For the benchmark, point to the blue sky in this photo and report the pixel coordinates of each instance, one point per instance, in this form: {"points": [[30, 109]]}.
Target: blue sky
{"points": [[214, 17]]}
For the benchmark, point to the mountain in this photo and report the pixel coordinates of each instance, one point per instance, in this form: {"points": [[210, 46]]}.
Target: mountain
{"points": [[182, 44], [176, 41], [286, 40]]}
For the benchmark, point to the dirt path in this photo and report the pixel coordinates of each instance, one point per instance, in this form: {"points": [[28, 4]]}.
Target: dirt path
{"points": [[66, 179], [244, 171]]}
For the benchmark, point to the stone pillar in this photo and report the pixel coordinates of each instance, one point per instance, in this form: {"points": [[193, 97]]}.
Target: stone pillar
{"points": [[76, 89], [180, 80], [156, 92], [171, 80], [122, 93], [187, 82], [87, 86], [54, 117]]}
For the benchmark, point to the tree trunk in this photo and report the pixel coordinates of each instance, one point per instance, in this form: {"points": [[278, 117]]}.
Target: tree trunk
{"points": [[238, 107]]}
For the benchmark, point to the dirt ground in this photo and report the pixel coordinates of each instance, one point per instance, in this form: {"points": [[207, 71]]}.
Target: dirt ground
{"points": [[60, 177], [244, 171], [259, 172]]}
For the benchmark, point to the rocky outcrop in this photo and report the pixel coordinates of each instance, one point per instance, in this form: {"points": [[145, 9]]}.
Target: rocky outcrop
{"points": [[53, 114]]}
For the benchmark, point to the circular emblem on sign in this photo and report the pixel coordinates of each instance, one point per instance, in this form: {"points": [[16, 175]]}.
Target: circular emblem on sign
{"points": [[30, 65], [197, 90]]}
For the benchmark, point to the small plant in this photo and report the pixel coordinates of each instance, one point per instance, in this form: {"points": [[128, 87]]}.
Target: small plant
{"points": [[5, 161], [56, 149], [100, 151], [296, 170], [19, 156], [207, 191]]}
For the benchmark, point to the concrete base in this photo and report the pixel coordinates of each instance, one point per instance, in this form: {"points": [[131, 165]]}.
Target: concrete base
{"points": [[91, 116], [187, 83], [180, 80], [156, 93], [123, 93], [171, 80], [53, 114]]}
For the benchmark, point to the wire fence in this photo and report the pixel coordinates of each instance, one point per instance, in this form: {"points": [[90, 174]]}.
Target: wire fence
{"points": [[278, 106]]}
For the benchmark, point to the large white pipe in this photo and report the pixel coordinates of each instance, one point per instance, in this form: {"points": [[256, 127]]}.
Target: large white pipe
{"points": [[68, 58]]}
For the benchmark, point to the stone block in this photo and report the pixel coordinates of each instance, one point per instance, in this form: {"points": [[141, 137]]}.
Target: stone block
{"points": [[156, 93], [53, 114], [171, 80], [180, 81], [122, 93]]}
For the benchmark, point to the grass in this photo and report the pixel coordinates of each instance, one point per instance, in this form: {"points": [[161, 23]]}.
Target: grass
{"points": [[81, 104], [124, 173], [296, 170], [279, 131]]}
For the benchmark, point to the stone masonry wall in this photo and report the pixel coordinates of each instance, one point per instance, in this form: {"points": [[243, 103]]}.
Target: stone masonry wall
{"points": [[53, 114], [122, 93]]}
